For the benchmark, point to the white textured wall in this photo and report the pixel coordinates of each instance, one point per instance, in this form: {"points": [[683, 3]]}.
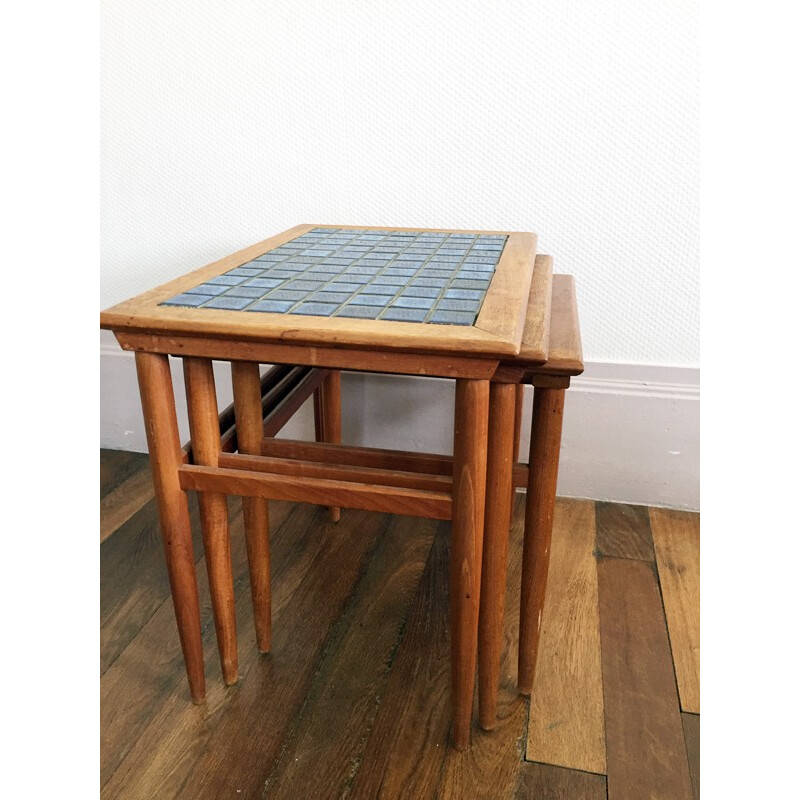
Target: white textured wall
{"points": [[224, 121]]}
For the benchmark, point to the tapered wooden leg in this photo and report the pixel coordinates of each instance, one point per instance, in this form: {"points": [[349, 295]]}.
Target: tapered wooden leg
{"points": [[161, 426], [495, 548], [548, 412], [201, 399], [331, 395], [519, 399], [469, 499], [249, 432]]}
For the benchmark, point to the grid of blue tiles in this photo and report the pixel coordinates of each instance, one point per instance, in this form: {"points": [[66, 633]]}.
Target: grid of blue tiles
{"points": [[369, 274]]}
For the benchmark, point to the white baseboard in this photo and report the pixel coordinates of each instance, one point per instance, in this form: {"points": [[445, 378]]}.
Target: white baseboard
{"points": [[631, 431]]}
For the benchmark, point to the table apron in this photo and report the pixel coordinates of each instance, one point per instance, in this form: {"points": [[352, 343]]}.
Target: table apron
{"points": [[354, 359]]}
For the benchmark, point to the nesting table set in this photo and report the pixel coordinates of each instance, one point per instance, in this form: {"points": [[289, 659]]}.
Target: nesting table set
{"points": [[479, 307]]}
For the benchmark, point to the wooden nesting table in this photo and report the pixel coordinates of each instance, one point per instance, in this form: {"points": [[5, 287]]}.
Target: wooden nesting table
{"points": [[450, 304]]}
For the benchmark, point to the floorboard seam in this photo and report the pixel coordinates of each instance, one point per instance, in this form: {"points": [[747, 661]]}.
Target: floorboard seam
{"points": [[597, 558], [334, 636], [571, 769], [669, 634]]}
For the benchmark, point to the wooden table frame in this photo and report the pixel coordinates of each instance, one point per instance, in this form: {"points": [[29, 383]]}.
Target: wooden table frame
{"points": [[330, 474], [550, 381], [327, 473]]}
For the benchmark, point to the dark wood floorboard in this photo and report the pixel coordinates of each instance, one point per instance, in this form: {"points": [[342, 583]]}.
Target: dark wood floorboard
{"points": [[623, 531], [118, 465], [546, 782], [645, 750], [343, 701], [406, 748], [691, 732], [152, 734], [354, 700], [247, 741], [133, 578]]}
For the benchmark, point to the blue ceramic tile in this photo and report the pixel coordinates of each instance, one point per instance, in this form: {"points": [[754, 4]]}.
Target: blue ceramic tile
{"points": [[481, 259], [362, 312], [315, 309], [187, 300], [208, 289], [305, 285], [429, 282], [413, 302], [245, 291], [331, 297], [458, 305], [280, 273], [265, 283], [232, 303], [370, 300], [488, 269], [405, 314], [463, 294], [325, 277], [227, 280], [283, 294], [274, 306], [372, 262], [381, 288], [452, 318], [436, 273], [470, 275], [247, 272], [461, 283], [342, 286], [421, 291]]}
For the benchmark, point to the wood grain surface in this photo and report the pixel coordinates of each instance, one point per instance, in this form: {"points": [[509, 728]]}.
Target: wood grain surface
{"points": [[116, 466], [546, 782], [354, 699], [566, 726], [246, 744], [133, 578], [122, 501], [342, 703], [676, 536], [489, 768], [623, 531], [645, 749], [408, 741], [151, 754]]}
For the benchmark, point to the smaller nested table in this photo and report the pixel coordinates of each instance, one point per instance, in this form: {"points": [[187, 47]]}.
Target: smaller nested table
{"points": [[403, 301]]}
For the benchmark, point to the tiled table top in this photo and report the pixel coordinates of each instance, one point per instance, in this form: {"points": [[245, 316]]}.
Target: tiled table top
{"points": [[459, 294], [402, 276]]}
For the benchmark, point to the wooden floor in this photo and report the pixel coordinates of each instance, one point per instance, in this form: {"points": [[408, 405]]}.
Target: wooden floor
{"points": [[353, 701]]}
